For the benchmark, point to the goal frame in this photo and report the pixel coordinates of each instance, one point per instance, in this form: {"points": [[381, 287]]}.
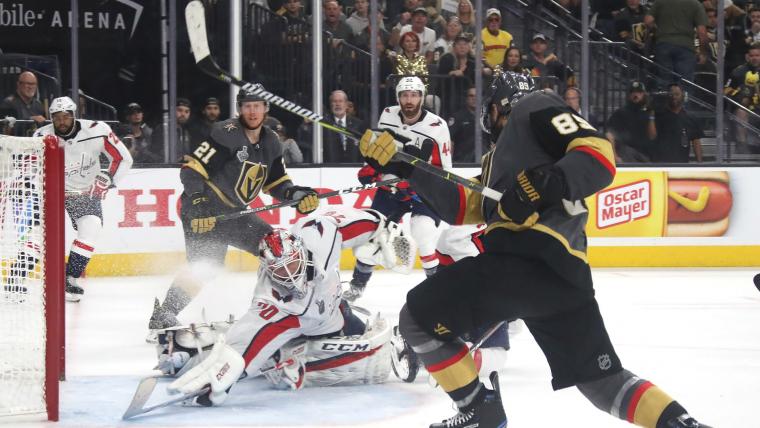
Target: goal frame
{"points": [[54, 273]]}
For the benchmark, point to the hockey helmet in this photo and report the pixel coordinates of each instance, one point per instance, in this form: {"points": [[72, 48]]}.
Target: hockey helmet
{"points": [[62, 104], [410, 83], [284, 259], [505, 91], [251, 93]]}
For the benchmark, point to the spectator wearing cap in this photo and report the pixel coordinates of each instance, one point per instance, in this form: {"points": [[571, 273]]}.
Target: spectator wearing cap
{"points": [[138, 135], [419, 27], [632, 127], [675, 22], [495, 40], [336, 147], [460, 65], [182, 112], [209, 115], [23, 104], [543, 64]]}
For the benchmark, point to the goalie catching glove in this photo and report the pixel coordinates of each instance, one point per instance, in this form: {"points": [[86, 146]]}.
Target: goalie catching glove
{"points": [[307, 197], [379, 148], [533, 190], [103, 182], [389, 247], [220, 370], [201, 213]]}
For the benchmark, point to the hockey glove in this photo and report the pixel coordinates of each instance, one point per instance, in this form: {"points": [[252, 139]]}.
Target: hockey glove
{"points": [[378, 149], [200, 211], [221, 369], [103, 182], [307, 197], [533, 190]]}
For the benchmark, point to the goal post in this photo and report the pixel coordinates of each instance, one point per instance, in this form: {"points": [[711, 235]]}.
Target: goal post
{"points": [[32, 273]]}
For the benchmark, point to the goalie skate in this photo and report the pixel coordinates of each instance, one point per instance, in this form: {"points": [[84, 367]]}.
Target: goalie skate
{"points": [[404, 361]]}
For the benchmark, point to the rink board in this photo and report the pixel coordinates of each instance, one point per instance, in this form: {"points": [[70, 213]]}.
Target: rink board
{"points": [[630, 222]]}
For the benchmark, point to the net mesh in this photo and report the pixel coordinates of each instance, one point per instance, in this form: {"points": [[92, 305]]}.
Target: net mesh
{"points": [[22, 307]]}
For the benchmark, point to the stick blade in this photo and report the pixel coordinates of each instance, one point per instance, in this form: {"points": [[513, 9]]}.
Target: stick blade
{"points": [[195, 18], [142, 394]]}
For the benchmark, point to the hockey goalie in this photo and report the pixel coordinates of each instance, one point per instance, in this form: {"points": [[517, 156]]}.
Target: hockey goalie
{"points": [[298, 331]]}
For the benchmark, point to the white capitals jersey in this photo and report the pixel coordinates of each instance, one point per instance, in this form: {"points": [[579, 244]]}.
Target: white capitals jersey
{"points": [[429, 126], [83, 150], [273, 319]]}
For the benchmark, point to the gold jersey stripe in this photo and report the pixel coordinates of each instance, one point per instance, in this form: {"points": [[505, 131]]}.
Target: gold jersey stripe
{"points": [[600, 145], [457, 375], [650, 406], [195, 165], [269, 186]]}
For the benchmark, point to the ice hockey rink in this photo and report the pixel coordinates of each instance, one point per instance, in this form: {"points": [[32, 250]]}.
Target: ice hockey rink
{"points": [[695, 333]]}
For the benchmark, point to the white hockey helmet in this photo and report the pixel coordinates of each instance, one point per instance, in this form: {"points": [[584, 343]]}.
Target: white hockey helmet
{"points": [[410, 83], [63, 104], [283, 258]]}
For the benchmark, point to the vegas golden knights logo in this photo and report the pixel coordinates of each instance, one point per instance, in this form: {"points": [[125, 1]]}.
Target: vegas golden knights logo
{"points": [[250, 182]]}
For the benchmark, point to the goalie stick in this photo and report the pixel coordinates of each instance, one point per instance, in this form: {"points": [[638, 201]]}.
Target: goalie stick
{"points": [[196, 30], [319, 196], [148, 384]]}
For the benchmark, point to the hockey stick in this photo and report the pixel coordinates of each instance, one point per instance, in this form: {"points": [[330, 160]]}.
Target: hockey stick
{"points": [[319, 196], [147, 385], [196, 30]]}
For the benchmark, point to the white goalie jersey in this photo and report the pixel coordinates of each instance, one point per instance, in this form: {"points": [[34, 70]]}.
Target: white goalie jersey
{"points": [[429, 126], [82, 154], [274, 320]]}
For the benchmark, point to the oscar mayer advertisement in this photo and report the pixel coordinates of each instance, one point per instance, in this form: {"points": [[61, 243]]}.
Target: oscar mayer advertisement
{"points": [[685, 203], [714, 213]]}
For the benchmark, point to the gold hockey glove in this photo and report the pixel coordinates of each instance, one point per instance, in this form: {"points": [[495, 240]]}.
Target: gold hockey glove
{"points": [[307, 197], [200, 212]]}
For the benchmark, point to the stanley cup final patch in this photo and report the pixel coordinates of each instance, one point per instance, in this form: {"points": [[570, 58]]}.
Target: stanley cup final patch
{"points": [[242, 154]]}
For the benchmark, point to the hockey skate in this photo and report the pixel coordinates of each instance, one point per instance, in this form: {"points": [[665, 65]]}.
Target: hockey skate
{"points": [[73, 291], [160, 319], [404, 361], [685, 421], [487, 414], [355, 291]]}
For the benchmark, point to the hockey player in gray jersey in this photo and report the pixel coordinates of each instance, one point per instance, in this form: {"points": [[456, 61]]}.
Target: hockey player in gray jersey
{"points": [[224, 174], [534, 264]]}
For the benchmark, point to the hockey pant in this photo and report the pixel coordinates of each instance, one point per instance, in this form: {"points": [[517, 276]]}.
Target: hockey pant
{"points": [[86, 214]]}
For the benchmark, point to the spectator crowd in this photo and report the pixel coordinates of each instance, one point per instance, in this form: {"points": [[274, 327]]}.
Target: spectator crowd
{"points": [[418, 37]]}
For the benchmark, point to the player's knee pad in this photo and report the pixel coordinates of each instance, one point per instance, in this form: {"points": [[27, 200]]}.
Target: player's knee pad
{"points": [[410, 330], [88, 228]]}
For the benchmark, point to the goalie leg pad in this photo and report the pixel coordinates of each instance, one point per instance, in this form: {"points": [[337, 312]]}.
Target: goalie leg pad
{"points": [[220, 369], [350, 360]]}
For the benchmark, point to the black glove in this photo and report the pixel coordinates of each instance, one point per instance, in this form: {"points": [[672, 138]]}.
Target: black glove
{"points": [[201, 213], [307, 197], [534, 190]]}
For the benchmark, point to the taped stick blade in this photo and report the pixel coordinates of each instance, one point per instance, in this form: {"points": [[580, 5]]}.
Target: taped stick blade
{"points": [[195, 17]]}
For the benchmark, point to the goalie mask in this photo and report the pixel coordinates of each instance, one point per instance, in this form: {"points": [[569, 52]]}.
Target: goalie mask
{"points": [[284, 259], [505, 91]]}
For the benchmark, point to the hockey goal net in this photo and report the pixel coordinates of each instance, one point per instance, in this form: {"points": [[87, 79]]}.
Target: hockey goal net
{"points": [[31, 275]]}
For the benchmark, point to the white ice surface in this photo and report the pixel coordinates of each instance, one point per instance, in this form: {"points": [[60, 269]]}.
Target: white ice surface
{"points": [[695, 333]]}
